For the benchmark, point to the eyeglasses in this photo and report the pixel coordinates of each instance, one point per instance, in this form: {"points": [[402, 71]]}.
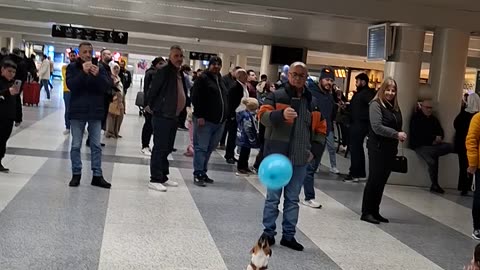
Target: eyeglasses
{"points": [[298, 76]]}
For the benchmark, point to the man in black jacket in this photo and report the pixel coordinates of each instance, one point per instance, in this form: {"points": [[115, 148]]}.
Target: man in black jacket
{"points": [[236, 93], [147, 129], [167, 98], [359, 127], [10, 106], [125, 76], [230, 82], [426, 138], [210, 109]]}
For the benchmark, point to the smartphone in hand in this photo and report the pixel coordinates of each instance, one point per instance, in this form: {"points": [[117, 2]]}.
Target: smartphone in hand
{"points": [[18, 84], [95, 61], [295, 103]]}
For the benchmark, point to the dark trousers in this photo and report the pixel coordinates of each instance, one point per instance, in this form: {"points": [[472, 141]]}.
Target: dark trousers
{"points": [[344, 135], [182, 117], [476, 202], [464, 178], [430, 154], [224, 136], [6, 127], [243, 158], [358, 132], [164, 132], [379, 170], [147, 130], [231, 128], [261, 138]]}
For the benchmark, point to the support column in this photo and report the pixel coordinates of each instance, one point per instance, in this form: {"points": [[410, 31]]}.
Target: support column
{"points": [[447, 73], [404, 66], [226, 65], [242, 61], [265, 68]]}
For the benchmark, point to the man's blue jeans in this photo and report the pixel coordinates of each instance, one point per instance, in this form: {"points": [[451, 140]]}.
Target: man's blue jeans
{"points": [[205, 141], [45, 85], [290, 205], [312, 167], [66, 100], [332, 151], [94, 133]]}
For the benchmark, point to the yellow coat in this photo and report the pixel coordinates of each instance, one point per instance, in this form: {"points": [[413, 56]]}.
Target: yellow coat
{"points": [[473, 142]]}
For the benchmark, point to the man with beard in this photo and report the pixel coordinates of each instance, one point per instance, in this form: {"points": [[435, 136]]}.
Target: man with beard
{"points": [[252, 83]]}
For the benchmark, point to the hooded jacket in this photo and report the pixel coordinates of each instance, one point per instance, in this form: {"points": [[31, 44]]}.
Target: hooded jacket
{"points": [[209, 98]]}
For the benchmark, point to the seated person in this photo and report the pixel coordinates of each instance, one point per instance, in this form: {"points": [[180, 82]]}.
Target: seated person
{"points": [[426, 138]]}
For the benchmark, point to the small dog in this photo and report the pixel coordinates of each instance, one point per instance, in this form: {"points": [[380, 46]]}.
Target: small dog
{"points": [[261, 253]]}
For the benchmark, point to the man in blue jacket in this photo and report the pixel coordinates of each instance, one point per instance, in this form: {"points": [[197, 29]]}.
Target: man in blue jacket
{"points": [[87, 83]]}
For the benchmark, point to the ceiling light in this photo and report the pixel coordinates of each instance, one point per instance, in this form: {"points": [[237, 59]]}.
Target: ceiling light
{"points": [[187, 7], [170, 23], [114, 9], [62, 11], [224, 29], [238, 23], [133, 1], [52, 3], [19, 7], [179, 17], [260, 15]]}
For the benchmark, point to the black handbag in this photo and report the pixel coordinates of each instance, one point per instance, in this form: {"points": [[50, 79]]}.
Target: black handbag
{"points": [[400, 163]]}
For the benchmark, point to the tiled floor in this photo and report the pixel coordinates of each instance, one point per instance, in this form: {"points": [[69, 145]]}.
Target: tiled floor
{"points": [[44, 224]]}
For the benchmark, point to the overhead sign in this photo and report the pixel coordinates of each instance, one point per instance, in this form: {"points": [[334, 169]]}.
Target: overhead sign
{"points": [[377, 42], [89, 34], [201, 56]]}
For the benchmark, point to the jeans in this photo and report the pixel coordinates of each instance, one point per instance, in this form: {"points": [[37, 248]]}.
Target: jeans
{"points": [[332, 151], [308, 185], [147, 130], [94, 134], [231, 129], [358, 132], [205, 140], [430, 154], [290, 205], [164, 132], [66, 100], [476, 202], [379, 170], [45, 84]]}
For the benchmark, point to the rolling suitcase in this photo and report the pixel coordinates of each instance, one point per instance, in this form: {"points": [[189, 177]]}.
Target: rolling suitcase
{"points": [[31, 93]]}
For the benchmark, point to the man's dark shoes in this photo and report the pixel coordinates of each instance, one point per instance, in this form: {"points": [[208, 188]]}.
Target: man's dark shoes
{"points": [[208, 180], [3, 169], [199, 180], [230, 160], [99, 181], [370, 219], [381, 219], [270, 239], [75, 182], [293, 244], [437, 189]]}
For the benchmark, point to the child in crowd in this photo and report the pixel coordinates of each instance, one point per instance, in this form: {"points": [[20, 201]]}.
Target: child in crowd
{"points": [[475, 263], [247, 134], [189, 124]]}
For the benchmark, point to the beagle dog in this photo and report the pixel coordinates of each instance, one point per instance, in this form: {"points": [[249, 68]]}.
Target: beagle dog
{"points": [[261, 253]]}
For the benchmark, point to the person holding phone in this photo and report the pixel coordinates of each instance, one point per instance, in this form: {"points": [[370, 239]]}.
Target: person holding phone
{"points": [[10, 106], [88, 84]]}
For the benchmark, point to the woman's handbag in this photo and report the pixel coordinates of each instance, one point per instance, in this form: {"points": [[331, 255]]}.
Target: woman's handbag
{"points": [[400, 163]]}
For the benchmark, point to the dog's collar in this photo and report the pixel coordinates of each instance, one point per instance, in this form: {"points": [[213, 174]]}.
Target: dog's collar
{"points": [[257, 268]]}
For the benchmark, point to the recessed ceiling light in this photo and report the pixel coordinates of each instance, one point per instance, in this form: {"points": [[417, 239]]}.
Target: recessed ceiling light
{"points": [[224, 29], [187, 7], [51, 3], [62, 11], [114, 9], [238, 23], [260, 15], [179, 17], [133, 1], [170, 23]]}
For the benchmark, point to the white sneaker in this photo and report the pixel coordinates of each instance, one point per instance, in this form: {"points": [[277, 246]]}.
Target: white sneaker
{"points": [[66, 132], [312, 204], [157, 187], [334, 170], [147, 152], [171, 183]]}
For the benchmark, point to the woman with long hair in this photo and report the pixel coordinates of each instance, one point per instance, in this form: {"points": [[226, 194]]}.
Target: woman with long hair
{"points": [[385, 133], [461, 124], [116, 109]]}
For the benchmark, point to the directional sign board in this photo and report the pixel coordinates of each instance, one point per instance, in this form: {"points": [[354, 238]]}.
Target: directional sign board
{"points": [[201, 56], [89, 34]]}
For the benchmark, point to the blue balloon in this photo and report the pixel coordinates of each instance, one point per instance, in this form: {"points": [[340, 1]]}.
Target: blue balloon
{"points": [[275, 171]]}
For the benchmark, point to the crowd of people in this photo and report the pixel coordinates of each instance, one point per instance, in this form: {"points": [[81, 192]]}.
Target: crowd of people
{"points": [[294, 116]]}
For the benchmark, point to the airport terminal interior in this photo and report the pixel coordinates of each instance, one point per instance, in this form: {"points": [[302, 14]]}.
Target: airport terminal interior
{"points": [[47, 224]]}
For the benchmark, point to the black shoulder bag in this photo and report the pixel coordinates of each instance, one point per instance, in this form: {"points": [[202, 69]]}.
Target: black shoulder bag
{"points": [[400, 164]]}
